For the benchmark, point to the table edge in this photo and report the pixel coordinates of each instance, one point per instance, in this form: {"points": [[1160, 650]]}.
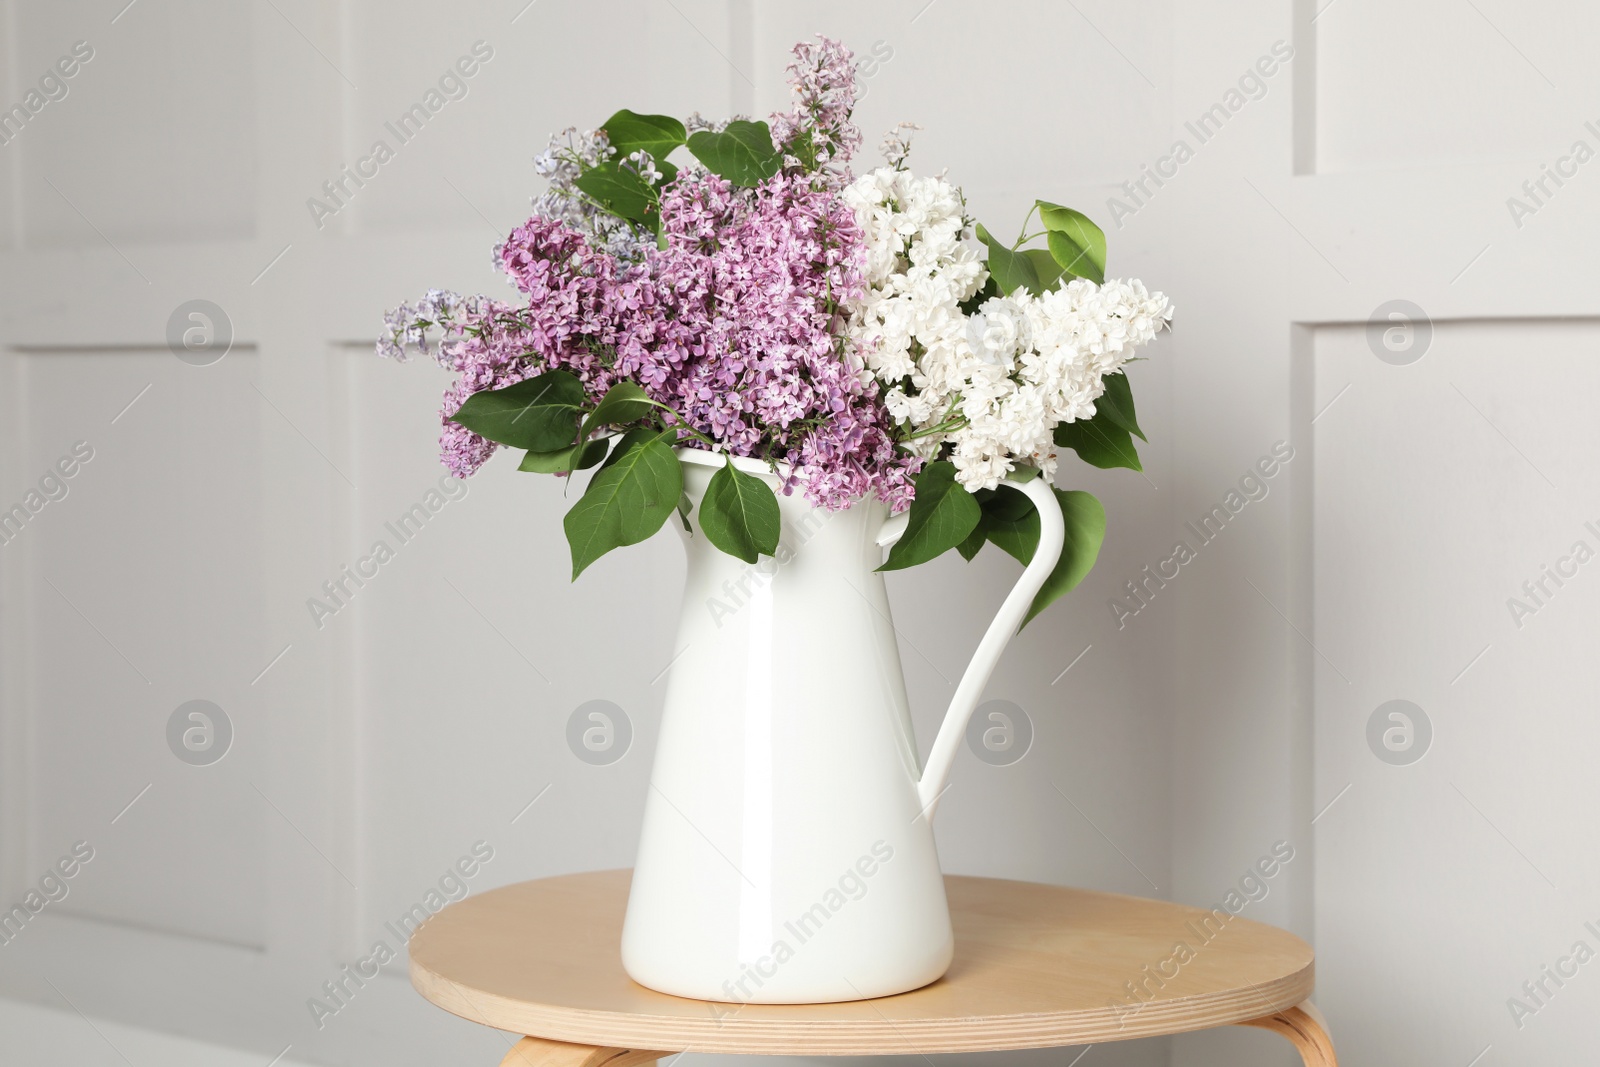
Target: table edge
{"points": [[721, 1031], [770, 1037]]}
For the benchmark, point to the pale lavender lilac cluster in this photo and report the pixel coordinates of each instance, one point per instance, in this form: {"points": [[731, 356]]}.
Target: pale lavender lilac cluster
{"points": [[568, 154]]}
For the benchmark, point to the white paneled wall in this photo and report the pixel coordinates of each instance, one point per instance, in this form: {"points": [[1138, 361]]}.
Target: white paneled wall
{"points": [[376, 745], [1492, 81], [155, 140], [142, 594], [1483, 615]]}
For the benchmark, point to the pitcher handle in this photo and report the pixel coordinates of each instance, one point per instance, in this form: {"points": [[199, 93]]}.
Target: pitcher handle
{"points": [[947, 742]]}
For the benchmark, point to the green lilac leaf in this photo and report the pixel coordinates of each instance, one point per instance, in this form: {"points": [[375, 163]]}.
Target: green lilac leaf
{"points": [[1012, 522], [1007, 269], [1085, 522], [539, 414], [740, 514], [1116, 404], [622, 191], [627, 500], [634, 438], [623, 403], [973, 544], [1099, 442], [1046, 270], [657, 134], [577, 458], [742, 152], [943, 515], [1076, 243]]}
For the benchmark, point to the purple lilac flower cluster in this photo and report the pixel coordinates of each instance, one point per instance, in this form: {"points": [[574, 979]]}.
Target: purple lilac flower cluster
{"points": [[817, 135], [734, 324], [743, 337]]}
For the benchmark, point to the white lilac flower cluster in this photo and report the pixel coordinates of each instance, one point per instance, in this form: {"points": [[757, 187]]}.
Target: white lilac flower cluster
{"points": [[994, 384]]}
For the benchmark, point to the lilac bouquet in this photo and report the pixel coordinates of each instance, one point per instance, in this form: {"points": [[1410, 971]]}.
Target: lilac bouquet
{"points": [[859, 333]]}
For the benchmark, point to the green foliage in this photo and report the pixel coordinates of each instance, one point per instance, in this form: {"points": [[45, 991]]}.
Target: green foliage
{"points": [[943, 514], [974, 542], [742, 152], [1099, 442], [1116, 404], [1009, 519], [621, 191], [627, 500], [615, 185], [623, 403], [1085, 522], [1031, 269], [656, 134], [1106, 440], [1012, 522], [1076, 243], [1009, 270], [1076, 249], [538, 414], [1046, 270], [740, 514], [577, 458]]}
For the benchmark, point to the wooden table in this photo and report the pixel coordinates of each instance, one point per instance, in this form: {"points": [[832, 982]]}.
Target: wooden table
{"points": [[1036, 966]]}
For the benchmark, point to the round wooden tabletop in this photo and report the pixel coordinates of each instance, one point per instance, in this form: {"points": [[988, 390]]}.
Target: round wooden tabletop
{"points": [[1036, 966]]}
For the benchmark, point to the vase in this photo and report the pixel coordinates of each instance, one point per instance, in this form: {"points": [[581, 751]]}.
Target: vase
{"points": [[787, 854]]}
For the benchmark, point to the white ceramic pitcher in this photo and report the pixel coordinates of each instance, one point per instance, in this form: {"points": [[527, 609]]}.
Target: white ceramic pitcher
{"points": [[787, 854]]}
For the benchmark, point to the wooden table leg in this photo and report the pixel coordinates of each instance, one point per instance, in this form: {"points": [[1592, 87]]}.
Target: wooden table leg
{"points": [[1305, 1028], [537, 1052]]}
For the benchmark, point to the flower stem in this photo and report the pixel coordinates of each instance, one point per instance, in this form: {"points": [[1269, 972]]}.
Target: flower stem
{"points": [[1025, 221]]}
